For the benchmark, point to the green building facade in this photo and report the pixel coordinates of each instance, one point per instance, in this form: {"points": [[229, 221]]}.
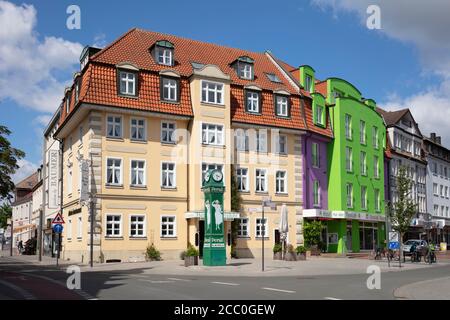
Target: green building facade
{"points": [[356, 209]]}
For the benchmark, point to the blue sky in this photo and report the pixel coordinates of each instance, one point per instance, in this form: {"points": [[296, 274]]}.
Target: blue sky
{"points": [[387, 65]]}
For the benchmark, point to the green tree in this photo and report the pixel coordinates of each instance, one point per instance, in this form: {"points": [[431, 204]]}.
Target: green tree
{"points": [[8, 163], [5, 213], [236, 203], [312, 231], [402, 211]]}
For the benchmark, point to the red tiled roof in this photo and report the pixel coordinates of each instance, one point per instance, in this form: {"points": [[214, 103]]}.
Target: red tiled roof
{"points": [[321, 87], [103, 90], [134, 47], [267, 116], [29, 182]]}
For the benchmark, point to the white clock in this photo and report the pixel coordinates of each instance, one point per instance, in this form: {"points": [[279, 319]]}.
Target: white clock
{"points": [[217, 176], [207, 176]]}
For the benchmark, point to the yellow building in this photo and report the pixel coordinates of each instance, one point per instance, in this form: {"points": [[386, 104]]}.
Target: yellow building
{"points": [[152, 113]]}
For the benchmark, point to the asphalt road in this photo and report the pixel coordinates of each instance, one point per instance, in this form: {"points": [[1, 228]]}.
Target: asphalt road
{"points": [[25, 281]]}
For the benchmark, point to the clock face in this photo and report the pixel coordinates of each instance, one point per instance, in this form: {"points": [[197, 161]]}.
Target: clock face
{"points": [[217, 176], [207, 176]]}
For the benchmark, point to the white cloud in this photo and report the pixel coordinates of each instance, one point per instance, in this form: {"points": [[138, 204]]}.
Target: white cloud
{"points": [[28, 64], [26, 169], [426, 25], [100, 41]]}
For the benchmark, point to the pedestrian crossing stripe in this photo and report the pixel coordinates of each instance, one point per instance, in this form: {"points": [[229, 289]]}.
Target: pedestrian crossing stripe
{"points": [[58, 219]]}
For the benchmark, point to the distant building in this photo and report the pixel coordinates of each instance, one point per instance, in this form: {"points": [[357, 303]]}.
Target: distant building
{"points": [[22, 209], [438, 187]]}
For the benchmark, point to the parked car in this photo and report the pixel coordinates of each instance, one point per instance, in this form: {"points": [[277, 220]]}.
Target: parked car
{"points": [[410, 245]]}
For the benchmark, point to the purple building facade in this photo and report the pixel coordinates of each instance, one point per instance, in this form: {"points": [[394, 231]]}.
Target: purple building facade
{"points": [[315, 172]]}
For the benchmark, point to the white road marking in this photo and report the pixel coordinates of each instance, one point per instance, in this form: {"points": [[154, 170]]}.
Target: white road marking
{"points": [[226, 283], [278, 290], [176, 279], [114, 282], [22, 292], [331, 298], [156, 281]]}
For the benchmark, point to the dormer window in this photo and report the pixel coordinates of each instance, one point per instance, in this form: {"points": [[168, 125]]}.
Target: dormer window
{"points": [[164, 53], [308, 83], [169, 89], [68, 103], [244, 67], [252, 101], [127, 82], [273, 77], [282, 105]]}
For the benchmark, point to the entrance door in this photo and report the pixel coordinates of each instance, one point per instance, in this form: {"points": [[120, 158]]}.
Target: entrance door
{"points": [[277, 237], [201, 236], [349, 238]]}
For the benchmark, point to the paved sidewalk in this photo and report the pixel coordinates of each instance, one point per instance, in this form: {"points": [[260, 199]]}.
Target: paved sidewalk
{"points": [[436, 289], [314, 266]]}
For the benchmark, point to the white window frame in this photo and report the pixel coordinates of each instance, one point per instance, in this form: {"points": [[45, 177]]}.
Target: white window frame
{"points": [[240, 175], [171, 85], [114, 124], [349, 204], [348, 126], [245, 70], [308, 83], [172, 136], [174, 175], [254, 102], [217, 133], [69, 229], [164, 56], [120, 225], [435, 189], [319, 115], [316, 183], [278, 144], [214, 90], [315, 164], [349, 159], [129, 82], [375, 133], [120, 183], [377, 193], [138, 126], [363, 163], [79, 228], [239, 230], [284, 181], [241, 139], [364, 200], [282, 105], [144, 228], [376, 167], [261, 135], [266, 227], [362, 132], [174, 226], [144, 184], [265, 180]]}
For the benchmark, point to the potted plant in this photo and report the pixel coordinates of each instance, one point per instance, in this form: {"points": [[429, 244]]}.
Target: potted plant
{"points": [[277, 251], [191, 256], [301, 253], [290, 254], [152, 254], [312, 231]]}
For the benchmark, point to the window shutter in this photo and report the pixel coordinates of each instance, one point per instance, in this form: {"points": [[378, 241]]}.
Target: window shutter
{"points": [[275, 104], [289, 107], [178, 81], [259, 102], [246, 100], [161, 88]]}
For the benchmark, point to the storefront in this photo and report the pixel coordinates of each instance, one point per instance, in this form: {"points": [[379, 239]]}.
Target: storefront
{"points": [[349, 231]]}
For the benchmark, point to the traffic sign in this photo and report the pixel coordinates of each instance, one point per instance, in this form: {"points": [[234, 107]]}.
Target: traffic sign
{"points": [[394, 245], [393, 236], [58, 228], [58, 219]]}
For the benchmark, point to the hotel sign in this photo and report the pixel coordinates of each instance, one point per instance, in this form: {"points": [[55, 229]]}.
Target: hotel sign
{"points": [[317, 213], [53, 179]]}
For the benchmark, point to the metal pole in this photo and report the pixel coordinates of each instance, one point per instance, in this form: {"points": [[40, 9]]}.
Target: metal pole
{"points": [[263, 233], [91, 207], [40, 231], [12, 237], [92, 214], [387, 239], [59, 246]]}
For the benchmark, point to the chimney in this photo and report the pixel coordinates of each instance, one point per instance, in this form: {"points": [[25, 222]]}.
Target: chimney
{"points": [[433, 136], [438, 140]]}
